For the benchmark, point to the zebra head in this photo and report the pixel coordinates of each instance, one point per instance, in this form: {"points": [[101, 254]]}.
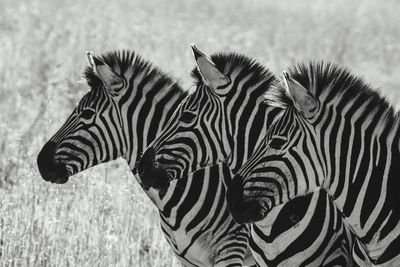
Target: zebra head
{"points": [[211, 124], [284, 164], [93, 133], [175, 153]]}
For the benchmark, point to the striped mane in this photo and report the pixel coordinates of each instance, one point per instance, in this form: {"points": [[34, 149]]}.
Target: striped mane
{"points": [[127, 60], [227, 63], [334, 82]]}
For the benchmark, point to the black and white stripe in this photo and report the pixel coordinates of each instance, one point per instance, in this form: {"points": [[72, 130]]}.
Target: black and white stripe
{"points": [[223, 120], [306, 232], [338, 133], [197, 223], [112, 121], [129, 102]]}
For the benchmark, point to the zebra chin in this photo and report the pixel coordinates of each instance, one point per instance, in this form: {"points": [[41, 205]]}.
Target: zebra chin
{"points": [[243, 210], [49, 169]]}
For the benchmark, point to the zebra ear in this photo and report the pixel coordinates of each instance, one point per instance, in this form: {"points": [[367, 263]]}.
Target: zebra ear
{"points": [[304, 102], [89, 58], [212, 77], [102, 70]]}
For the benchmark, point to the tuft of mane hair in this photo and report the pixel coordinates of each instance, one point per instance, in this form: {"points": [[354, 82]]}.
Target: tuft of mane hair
{"points": [[122, 60], [333, 81], [226, 63]]}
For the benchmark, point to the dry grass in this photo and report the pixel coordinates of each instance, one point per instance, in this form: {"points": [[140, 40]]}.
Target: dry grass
{"points": [[101, 217]]}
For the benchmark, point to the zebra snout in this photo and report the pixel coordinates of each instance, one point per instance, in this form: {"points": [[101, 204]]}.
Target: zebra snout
{"points": [[243, 210], [49, 169], [151, 176]]}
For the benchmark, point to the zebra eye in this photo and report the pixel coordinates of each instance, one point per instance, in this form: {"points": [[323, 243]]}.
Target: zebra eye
{"points": [[277, 143], [87, 114], [188, 116]]}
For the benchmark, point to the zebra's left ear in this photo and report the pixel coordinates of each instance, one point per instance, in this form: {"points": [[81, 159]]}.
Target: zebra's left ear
{"points": [[212, 77], [304, 102], [103, 71]]}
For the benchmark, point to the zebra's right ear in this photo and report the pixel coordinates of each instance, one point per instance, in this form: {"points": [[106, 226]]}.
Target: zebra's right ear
{"points": [[212, 77], [89, 59], [102, 70]]}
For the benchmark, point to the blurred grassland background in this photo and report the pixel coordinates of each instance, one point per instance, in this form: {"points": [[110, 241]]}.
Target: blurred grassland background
{"points": [[101, 217]]}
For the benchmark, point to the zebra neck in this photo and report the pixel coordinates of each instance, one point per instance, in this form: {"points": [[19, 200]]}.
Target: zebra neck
{"points": [[196, 230], [145, 114], [365, 181]]}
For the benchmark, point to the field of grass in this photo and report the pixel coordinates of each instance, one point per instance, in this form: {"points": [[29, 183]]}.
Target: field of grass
{"points": [[101, 217]]}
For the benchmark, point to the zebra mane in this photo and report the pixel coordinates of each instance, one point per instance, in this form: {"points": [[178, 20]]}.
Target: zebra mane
{"points": [[231, 61], [121, 61], [331, 80]]}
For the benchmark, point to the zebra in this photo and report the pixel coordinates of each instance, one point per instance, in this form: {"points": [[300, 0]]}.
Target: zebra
{"points": [[223, 120], [129, 102], [338, 133]]}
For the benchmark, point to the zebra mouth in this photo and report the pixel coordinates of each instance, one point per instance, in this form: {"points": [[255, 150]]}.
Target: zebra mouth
{"points": [[61, 179], [55, 173]]}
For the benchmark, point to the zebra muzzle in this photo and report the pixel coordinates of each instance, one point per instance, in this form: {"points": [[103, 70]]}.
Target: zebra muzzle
{"points": [[243, 210], [49, 169], [150, 175]]}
